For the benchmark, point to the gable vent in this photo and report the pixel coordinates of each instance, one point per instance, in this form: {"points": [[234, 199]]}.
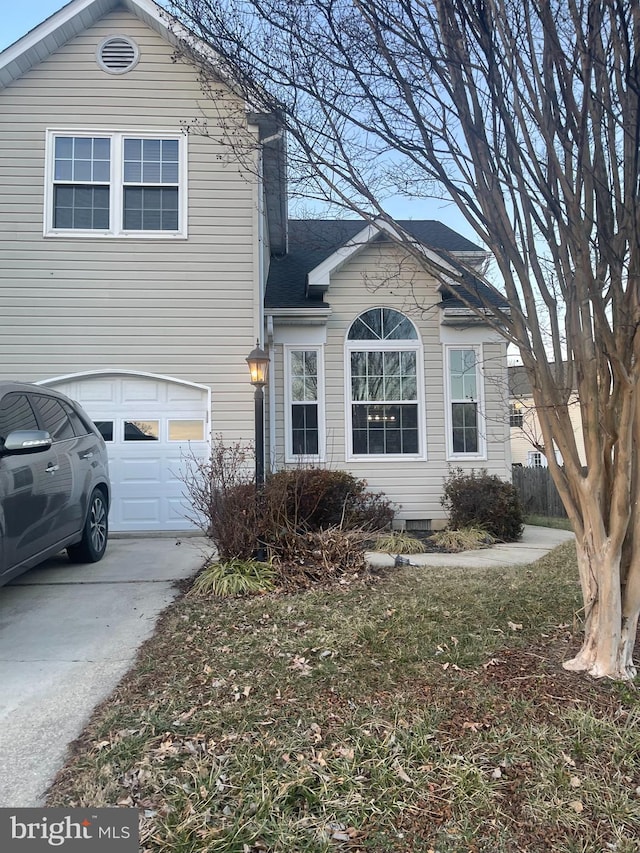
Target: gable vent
{"points": [[117, 55]]}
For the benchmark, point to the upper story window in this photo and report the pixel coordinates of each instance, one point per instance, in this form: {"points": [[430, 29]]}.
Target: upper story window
{"points": [[385, 405], [304, 419], [516, 416], [115, 185], [464, 409]]}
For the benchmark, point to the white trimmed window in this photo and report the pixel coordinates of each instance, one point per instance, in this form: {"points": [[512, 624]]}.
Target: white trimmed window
{"points": [[516, 415], [304, 420], [464, 387], [536, 459], [115, 184], [385, 387]]}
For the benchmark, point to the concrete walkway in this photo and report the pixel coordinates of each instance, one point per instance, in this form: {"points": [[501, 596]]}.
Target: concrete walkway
{"points": [[535, 543]]}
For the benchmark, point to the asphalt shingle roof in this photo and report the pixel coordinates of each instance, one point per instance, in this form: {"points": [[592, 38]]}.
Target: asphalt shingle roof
{"points": [[312, 241]]}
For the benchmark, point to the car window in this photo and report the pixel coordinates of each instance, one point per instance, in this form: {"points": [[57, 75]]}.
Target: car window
{"points": [[15, 413], [55, 419], [78, 424]]}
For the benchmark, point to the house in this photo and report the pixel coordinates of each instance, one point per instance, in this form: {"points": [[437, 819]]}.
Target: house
{"points": [[527, 443], [141, 257]]}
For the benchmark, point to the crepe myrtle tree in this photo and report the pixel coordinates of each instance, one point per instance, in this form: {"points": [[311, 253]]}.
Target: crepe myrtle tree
{"points": [[524, 113]]}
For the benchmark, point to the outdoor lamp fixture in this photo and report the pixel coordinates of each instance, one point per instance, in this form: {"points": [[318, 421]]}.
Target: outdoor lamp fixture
{"points": [[258, 362]]}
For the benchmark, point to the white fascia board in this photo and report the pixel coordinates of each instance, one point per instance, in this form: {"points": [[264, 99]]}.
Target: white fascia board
{"points": [[465, 311], [319, 278], [303, 316]]}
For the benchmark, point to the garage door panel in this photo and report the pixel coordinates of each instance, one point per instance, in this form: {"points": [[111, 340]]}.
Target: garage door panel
{"points": [[177, 510], [184, 394], [134, 391], [141, 510], [176, 465], [147, 488], [97, 392], [147, 471]]}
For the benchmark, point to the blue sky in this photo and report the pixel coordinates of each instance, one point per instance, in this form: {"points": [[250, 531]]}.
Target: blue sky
{"points": [[20, 16]]}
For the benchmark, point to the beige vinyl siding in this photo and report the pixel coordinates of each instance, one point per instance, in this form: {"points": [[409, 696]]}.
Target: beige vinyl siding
{"points": [[181, 308], [523, 438], [379, 276], [496, 392]]}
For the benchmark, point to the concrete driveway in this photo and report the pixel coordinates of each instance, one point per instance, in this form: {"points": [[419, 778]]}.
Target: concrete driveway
{"points": [[67, 636]]}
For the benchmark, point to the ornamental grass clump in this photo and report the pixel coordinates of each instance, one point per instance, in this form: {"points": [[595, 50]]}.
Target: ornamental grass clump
{"points": [[235, 577], [399, 542], [465, 539]]}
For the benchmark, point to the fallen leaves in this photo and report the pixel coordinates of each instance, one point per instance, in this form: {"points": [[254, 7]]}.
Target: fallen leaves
{"points": [[300, 664], [401, 773]]}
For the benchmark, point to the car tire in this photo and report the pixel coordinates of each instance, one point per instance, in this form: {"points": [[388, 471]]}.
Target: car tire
{"points": [[93, 544]]}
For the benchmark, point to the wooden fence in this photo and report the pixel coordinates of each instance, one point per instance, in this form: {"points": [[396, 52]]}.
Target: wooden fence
{"points": [[538, 493]]}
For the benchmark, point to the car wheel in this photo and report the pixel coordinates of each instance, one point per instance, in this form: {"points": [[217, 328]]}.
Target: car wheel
{"points": [[93, 544]]}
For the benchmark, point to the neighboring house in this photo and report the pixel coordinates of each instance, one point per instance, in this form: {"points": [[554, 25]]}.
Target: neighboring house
{"points": [[140, 260], [527, 443]]}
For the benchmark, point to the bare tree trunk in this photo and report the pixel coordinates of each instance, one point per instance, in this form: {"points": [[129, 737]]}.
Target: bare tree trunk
{"points": [[610, 625]]}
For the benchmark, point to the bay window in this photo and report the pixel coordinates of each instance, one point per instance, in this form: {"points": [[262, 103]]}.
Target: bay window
{"points": [[464, 392], [304, 410]]}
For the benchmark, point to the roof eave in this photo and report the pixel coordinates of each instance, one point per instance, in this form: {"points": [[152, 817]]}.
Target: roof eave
{"points": [[299, 316], [467, 316]]}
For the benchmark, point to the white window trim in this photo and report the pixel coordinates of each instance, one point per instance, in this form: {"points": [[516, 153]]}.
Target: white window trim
{"points": [[288, 436], [389, 346], [482, 426], [116, 194]]}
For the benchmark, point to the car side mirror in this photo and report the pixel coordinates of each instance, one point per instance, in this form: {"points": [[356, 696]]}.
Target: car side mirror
{"points": [[26, 441]]}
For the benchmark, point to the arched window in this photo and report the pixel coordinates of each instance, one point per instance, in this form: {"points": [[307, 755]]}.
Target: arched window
{"points": [[385, 387]]}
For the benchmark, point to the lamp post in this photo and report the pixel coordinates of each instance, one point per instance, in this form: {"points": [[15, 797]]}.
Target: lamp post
{"points": [[258, 362]]}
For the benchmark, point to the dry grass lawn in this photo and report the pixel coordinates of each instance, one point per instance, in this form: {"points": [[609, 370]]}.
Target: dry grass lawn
{"points": [[415, 711]]}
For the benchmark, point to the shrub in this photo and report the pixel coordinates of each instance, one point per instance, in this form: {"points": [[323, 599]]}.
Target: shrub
{"points": [[293, 505], [235, 577], [480, 499], [318, 498], [222, 497], [319, 556]]}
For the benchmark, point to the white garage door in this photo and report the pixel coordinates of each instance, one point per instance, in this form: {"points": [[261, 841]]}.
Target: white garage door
{"points": [[149, 424]]}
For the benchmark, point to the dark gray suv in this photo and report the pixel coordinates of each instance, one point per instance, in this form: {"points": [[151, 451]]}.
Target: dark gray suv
{"points": [[54, 480]]}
